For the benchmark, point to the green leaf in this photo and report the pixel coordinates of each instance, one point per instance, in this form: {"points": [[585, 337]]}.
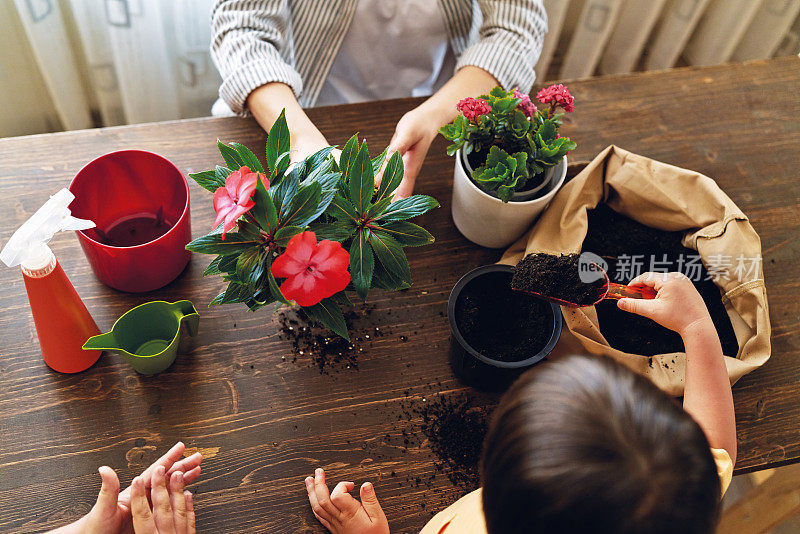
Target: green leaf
{"points": [[328, 182], [277, 143], [379, 207], [407, 233], [302, 206], [328, 312], [335, 231], [232, 158], [547, 131], [284, 192], [235, 292], [347, 159], [383, 280], [390, 254], [362, 263], [222, 174], [246, 227], [213, 267], [273, 284], [228, 263], [361, 180], [264, 211], [407, 208], [320, 158], [377, 162], [341, 208], [246, 262], [207, 180], [392, 176], [285, 233], [213, 244], [248, 158]]}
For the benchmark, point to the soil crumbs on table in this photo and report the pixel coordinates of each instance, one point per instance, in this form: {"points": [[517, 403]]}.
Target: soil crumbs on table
{"points": [[500, 323], [621, 241], [454, 428], [328, 352], [557, 277]]}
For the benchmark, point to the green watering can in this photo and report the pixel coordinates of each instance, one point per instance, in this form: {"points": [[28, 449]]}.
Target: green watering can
{"points": [[148, 336]]}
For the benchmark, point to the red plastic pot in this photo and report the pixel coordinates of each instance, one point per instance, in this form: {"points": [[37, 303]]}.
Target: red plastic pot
{"points": [[118, 187]]}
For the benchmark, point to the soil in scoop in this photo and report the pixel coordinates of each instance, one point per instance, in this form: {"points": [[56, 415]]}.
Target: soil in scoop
{"points": [[612, 236], [500, 323], [556, 277]]}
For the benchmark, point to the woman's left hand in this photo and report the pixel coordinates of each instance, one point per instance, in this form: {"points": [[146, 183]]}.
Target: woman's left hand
{"points": [[412, 138]]}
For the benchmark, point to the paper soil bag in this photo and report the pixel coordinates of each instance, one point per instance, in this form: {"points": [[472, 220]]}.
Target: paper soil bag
{"points": [[668, 198]]}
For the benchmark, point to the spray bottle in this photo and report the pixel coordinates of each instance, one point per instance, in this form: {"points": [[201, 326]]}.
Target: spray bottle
{"points": [[62, 322]]}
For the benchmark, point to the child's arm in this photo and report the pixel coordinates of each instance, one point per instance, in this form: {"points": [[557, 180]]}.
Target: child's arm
{"points": [[340, 512], [707, 395]]}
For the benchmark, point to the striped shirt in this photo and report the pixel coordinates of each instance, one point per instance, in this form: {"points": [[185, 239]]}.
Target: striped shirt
{"points": [[295, 42]]}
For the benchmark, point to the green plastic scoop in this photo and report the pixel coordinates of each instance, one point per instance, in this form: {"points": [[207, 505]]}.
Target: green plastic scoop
{"points": [[148, 336]]}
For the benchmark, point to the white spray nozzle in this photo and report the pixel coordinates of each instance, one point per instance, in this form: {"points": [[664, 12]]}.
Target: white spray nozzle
{"points": [[28, 245]]}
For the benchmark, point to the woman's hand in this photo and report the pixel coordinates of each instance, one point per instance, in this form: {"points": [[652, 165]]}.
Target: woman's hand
{"points": [[340, 512], [172, 507], [677, 306], [412, 137]]}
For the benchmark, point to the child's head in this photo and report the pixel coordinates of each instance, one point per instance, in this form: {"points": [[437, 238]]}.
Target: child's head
{"points": [[586, 445]]}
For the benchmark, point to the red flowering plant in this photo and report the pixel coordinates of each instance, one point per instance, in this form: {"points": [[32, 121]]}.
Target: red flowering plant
{"points": [[307, 233], [514, 141]]}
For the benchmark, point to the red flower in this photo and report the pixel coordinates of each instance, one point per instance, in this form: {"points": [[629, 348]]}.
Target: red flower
{"points": [[525, 105], [472, 108], [559, 94], [313, 271], [234, 200]]}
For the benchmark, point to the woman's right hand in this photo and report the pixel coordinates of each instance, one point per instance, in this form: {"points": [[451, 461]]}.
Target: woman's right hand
{"points": [[677, 306]]}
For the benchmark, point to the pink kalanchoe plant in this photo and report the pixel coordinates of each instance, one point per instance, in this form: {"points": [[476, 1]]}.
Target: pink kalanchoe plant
{"points": [[236, 197], [472, 108], [511, 142], [525, 104], [557, 95]]}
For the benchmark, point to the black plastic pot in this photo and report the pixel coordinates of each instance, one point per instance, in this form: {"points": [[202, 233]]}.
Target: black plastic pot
{"points": [[472, 367]]}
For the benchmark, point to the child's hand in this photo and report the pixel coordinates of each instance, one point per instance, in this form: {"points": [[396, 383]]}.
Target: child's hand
{"points": [[677, 305], [173, 511], [112, 511], [340, 512]]}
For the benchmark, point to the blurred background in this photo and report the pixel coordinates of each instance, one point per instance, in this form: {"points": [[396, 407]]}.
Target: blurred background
{"points": [[72, 64]]}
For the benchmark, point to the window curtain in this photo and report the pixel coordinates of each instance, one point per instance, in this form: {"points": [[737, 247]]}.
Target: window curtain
{"points": [[72, 64]]}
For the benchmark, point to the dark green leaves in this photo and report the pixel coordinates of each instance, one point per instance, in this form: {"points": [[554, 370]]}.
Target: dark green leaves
{"points": [[302, 206], [208, 180], [342, 209], [361, 179], [362, 263], [213, 243], [328, 312], [334, 231], [502, 172], [407, 208], [392, 176], [407, 234], [248, 158], [232, 158], [277, 144], [391, 256]]}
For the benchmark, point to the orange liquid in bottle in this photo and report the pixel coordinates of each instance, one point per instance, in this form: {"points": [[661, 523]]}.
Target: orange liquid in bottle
{"points": [[63, 323]]}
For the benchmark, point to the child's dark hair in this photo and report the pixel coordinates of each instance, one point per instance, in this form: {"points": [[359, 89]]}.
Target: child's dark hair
{"points": [[584, 444]]}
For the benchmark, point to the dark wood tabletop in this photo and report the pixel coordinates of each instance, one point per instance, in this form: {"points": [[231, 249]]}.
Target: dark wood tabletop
{"points": [[265, 417]]}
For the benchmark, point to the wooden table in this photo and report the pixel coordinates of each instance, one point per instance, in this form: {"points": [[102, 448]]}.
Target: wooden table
{"points": [[263, 421]]}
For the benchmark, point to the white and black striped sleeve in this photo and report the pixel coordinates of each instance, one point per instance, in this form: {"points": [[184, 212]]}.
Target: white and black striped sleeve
{"points": [[511, 38], [252, 45]]}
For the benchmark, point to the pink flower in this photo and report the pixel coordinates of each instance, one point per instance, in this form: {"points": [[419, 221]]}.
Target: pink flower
{"points": [[472, 108], [313, 271], [557, 94], [525, 105], [234, 200]]}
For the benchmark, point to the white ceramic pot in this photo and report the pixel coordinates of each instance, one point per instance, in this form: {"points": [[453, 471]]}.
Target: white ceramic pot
{"points": [[489, 222]]}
